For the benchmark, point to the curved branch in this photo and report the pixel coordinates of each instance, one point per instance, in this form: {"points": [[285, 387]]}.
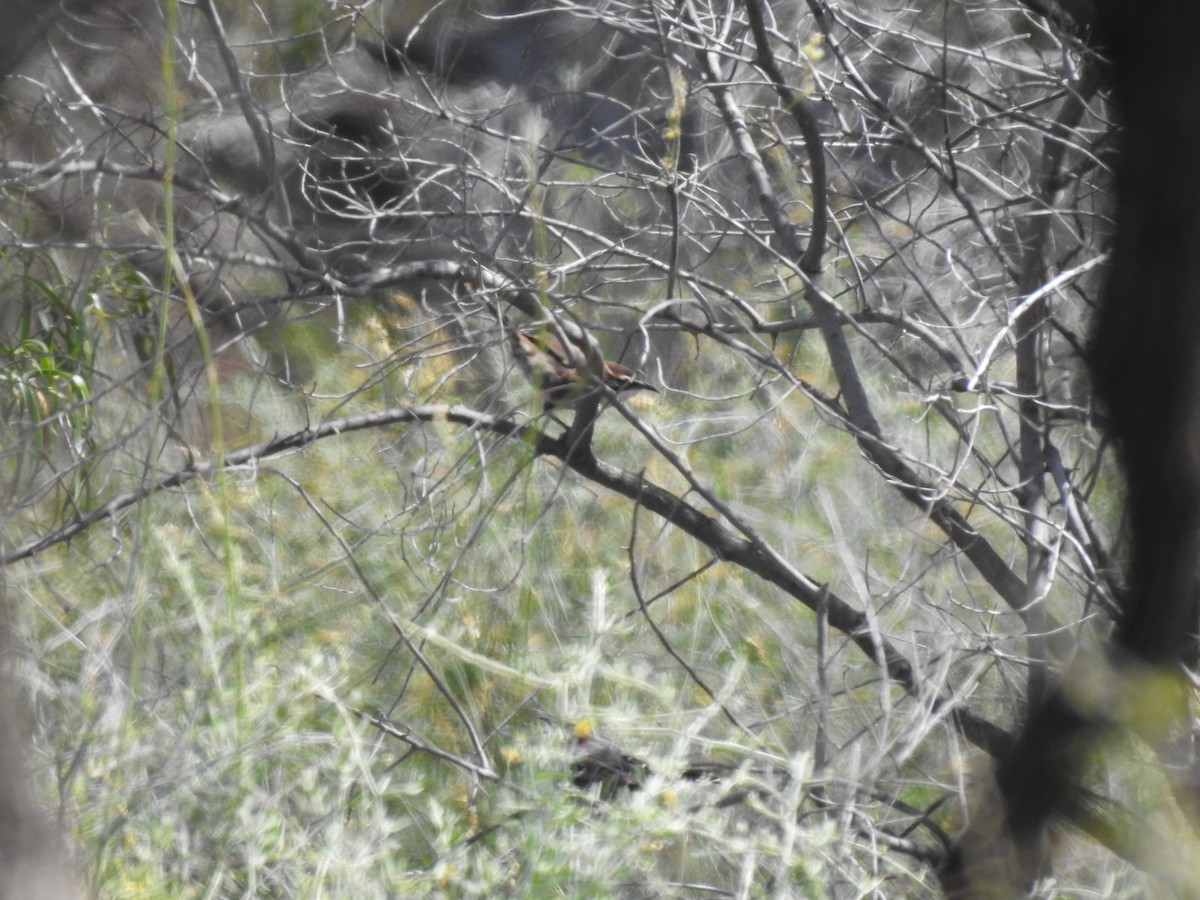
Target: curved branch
{"points": [[830, 316], [295, 441], [810, 260], [719, 538], [259, 122], [731, 547]]}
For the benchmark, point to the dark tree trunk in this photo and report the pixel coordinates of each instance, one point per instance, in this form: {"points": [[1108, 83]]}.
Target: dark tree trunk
{"points": [[1146, 367], [1145, 353]]}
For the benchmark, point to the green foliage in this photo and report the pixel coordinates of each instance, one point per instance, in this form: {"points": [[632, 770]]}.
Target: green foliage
{"points": [[46, 356]]}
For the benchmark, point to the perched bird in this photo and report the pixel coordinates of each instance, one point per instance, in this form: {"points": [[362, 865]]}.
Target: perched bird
{"points": [[557, 371], [604, 764], [611, 769], [600, 762]]}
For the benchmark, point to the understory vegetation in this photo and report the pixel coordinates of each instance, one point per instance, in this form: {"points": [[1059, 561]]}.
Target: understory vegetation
{"points": [[313, 594]]}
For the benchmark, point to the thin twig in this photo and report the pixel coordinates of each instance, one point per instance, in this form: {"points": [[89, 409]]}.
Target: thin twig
{"points": [[662, 638]]}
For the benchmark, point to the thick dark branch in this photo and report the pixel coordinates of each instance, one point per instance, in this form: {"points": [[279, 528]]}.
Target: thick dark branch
{"points": [[830, 318], [1029, 326], [721, 540], [810, 261], [841, 615]]}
